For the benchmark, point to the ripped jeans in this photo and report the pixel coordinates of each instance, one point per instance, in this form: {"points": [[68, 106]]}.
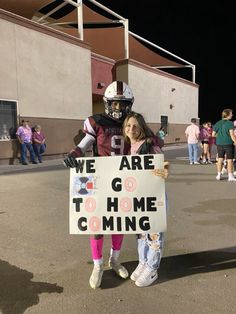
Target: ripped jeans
{"points": [[150, 249]]}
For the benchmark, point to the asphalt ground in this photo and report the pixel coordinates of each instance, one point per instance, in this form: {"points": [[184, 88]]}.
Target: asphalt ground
{"points": [[44, 269]]}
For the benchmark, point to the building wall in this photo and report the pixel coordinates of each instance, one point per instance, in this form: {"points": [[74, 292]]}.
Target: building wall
{"points": [[159, 94], [46, 75], [49, 74], [102, 73]]}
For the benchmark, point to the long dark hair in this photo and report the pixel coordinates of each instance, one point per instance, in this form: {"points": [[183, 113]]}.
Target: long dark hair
{"points": [[145, 131]]}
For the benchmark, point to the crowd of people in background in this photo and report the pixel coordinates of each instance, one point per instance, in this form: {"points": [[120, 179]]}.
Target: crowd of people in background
{"points": [[201, 140]]}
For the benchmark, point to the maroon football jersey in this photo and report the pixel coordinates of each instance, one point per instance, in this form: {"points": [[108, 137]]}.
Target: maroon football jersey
{"points": [[107, 133]]}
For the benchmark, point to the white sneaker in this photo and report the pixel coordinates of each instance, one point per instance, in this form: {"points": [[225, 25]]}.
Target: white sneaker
{"points": [[191, 163], [232, 179], [196, 163], [146, 278], [218, 177], [96, 277], [119, 269], [137, 272]]}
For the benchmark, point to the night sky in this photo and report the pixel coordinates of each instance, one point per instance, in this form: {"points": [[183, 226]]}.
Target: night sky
{"points": [[201, 32]]}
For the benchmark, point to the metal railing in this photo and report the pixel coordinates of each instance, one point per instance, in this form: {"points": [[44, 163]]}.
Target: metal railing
{"points": [[122, 20]]}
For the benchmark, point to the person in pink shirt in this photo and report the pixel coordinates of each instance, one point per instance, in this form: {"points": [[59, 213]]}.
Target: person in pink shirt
{"points": [[150, 246], [39, 145], [24, 135], [212, 140], [205, 138], [192, 133]]}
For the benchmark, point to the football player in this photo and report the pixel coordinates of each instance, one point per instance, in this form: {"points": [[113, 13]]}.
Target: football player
{"points": [[104, 132]]}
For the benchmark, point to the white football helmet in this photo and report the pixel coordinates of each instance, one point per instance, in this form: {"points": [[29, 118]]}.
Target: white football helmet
{"points": [[120, 93]]}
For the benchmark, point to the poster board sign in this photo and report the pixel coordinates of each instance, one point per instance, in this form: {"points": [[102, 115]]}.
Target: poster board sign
{"points": [[117, 195]]}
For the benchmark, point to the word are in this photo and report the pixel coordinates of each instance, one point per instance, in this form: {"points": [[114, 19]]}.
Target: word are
{"points": [[137, 162]]}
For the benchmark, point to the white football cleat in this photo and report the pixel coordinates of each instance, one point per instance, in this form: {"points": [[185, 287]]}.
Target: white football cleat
{"points": [[119, 269], [96, 277]]}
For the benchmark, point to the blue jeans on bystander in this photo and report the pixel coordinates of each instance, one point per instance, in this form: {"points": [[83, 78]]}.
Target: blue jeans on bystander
{"points": [[39, 149], [193, 152], [24, 147]]}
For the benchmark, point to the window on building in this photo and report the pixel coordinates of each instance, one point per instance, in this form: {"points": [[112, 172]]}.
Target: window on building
{"points": [[8, 119]]}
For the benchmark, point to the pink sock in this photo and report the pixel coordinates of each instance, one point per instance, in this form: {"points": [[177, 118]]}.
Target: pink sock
{"points": [[96, 247], [116, 240]]}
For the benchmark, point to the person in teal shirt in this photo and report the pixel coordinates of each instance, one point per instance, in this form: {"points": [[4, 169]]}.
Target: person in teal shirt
{"points": [[223, 130], [161, 133]]}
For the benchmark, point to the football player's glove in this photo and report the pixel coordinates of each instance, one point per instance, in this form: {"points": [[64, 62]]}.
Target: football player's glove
{"points": [[70, 160]]}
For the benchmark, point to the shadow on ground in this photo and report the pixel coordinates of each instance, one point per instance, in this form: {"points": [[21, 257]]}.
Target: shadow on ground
{"points": [[111, 280], [18, 292], [179, 266], [173, 267]]}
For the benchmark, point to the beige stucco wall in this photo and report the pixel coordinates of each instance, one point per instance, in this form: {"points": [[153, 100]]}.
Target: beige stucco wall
{"points": [[49, 77], [154, 92]]}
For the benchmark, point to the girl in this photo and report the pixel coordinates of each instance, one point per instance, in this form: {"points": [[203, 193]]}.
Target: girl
{"points": [[204, 137], [212, 140], [150, 246]]}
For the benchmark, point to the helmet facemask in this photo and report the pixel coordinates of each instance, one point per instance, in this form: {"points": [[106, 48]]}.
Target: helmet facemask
{"points": [[118, 110]]}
